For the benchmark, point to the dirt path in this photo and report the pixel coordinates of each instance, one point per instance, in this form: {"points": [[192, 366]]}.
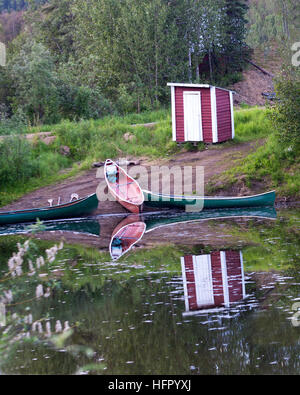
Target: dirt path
{"points": [[215, 159]]}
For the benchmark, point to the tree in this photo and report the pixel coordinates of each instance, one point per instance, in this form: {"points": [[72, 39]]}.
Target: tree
{"points": [[273, 20], [130, 44], [53, 25], [285, 114], [205, 31], [216, 30], [234, 25], [35, 82]]}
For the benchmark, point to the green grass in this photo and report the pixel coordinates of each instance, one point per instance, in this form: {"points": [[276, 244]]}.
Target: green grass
{"points": [[96, 140], [89, 141], [251, 124], [272, 165]]}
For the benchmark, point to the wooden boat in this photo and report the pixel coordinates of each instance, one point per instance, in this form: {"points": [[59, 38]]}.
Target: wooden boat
{"points": [[76, 208], [129, 232], [161, 200], [123, 187]]}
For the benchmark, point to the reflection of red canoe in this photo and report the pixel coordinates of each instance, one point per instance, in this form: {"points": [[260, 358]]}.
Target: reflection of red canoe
{"points": [[123, 187], [126, 235]]}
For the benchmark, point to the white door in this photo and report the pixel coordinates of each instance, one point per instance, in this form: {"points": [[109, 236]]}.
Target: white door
{"points": [[192, 116], [203, 280]]}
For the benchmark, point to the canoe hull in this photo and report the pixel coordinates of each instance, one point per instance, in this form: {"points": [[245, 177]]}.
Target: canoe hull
{"points": [[74, 209], [124, 188], [159, 200], [133, 208]]}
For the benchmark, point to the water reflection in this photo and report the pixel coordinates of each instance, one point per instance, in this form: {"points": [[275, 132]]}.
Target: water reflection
{"points": [[212, 282], [119, 237], [75, 225], [173, 308], [128, 232], [132, 229]]}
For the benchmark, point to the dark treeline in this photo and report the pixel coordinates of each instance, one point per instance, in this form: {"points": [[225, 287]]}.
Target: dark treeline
{"points": [[78, 59]]}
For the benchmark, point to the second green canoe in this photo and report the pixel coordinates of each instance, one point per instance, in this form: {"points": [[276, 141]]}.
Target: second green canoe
{"points": [[161, 200], [84, 206]]}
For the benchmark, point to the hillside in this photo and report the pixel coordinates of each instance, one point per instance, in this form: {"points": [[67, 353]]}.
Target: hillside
{"points": [[255, 82]]}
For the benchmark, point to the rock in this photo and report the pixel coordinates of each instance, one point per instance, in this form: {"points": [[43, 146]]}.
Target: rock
{"points": [[121, 162], [128, 137], [49, 140], [65, 150], [98, 164]]}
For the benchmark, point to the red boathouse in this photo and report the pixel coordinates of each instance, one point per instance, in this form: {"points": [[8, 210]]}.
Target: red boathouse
{"points": [[201, 113], [213, 281]]}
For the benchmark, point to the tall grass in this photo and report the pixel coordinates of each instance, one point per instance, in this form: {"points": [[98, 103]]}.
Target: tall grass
{"points": [[251, 124]]}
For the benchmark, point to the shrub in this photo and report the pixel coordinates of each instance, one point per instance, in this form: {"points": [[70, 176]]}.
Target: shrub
{"points": [[16, 161], [285, 114]]}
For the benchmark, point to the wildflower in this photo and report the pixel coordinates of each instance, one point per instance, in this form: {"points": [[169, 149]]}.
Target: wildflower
{"points": [[26, 245], [31, 268], [40, 327], [19, 270], [8, 296], [58, 327], [28, 319], [39, 291], [47, 293], [48, 328], [51, 253], [11, 264]]}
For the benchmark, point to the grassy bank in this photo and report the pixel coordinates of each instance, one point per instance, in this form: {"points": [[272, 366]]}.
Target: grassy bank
{"points": [[273, 165], [27, 166]]}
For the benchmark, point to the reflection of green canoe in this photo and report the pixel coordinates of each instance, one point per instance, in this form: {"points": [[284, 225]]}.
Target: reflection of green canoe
{"points": [[161, 200], [156, 221], [78, 225], [72, 209]]}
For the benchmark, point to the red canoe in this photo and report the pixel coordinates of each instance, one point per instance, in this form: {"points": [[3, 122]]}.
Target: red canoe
{"points": [[126, 235], [123, 187]]}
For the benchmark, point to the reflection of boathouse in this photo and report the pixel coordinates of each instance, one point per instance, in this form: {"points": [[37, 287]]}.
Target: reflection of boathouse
{"points": [[213, 281]]}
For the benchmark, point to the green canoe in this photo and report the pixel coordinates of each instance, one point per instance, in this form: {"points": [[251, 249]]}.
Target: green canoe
{"points": [[161, 200], [72, 209]]}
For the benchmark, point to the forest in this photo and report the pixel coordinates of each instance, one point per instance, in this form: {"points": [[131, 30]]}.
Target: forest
{"points": [[73, 59], [69, 59]]}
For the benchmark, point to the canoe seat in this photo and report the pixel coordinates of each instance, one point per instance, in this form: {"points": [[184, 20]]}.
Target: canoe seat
{"points": [[74, 196], [111, 173], [122, 185]]}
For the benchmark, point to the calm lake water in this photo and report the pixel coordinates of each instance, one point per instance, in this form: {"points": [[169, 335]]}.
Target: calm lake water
{"points": [[223, 302]]}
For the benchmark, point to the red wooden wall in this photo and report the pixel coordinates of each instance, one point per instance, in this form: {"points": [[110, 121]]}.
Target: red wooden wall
{"points": [[223, 115], [205, 109]]}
